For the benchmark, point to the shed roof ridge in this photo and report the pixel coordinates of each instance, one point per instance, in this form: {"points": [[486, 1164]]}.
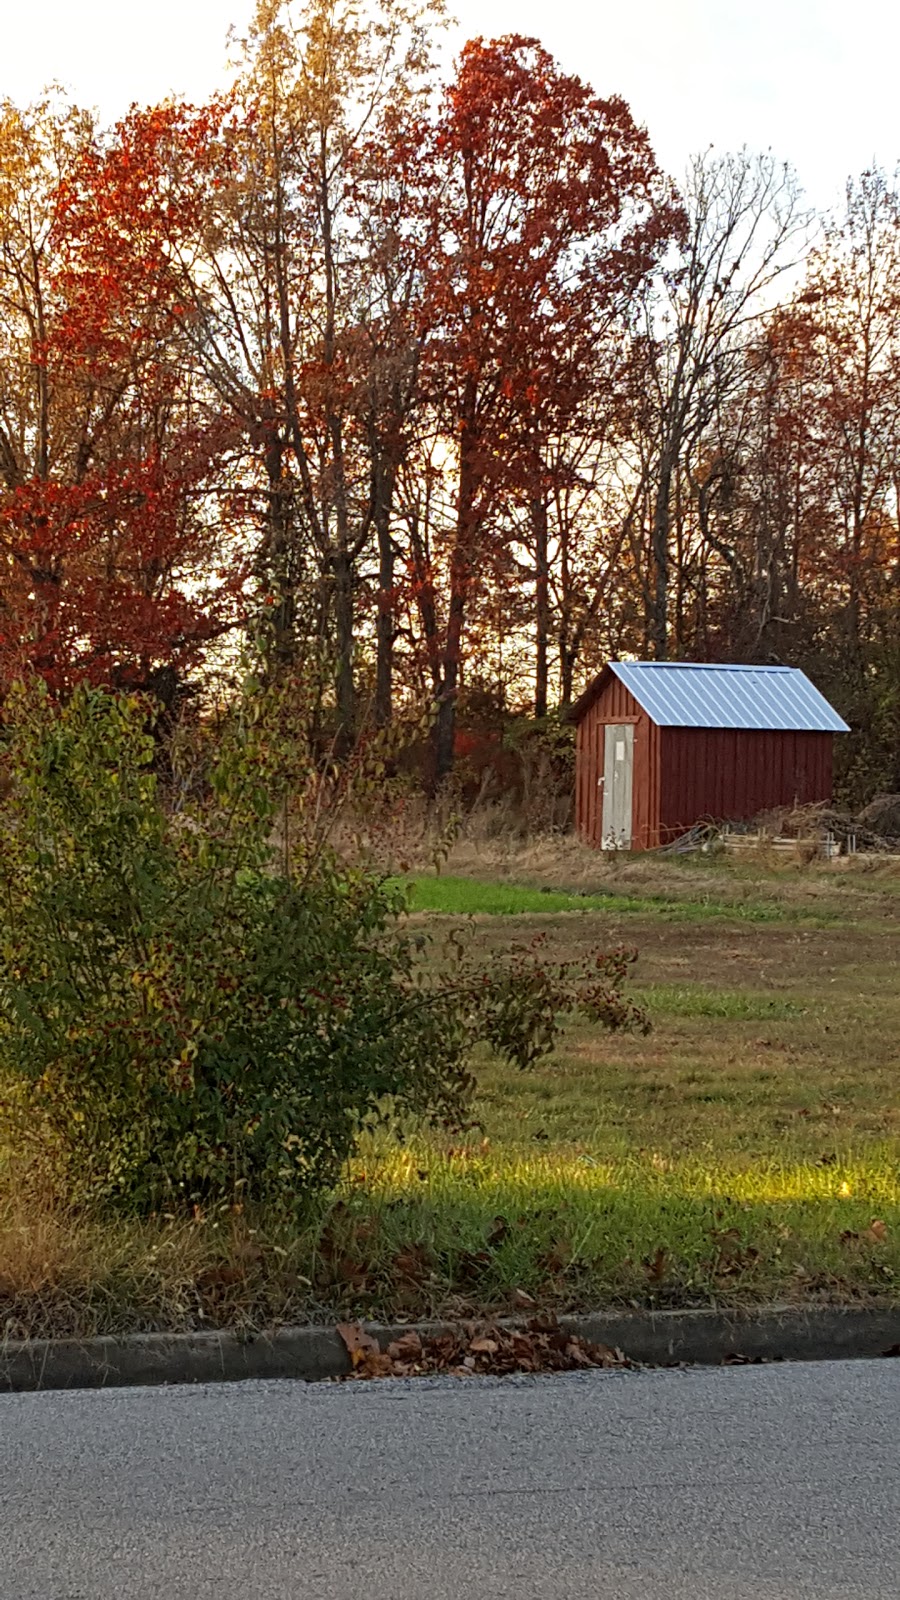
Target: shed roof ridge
{"points": [[707, 666]]}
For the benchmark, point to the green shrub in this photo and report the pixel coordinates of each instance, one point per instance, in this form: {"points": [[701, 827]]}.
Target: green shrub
{"points": [[189, 1015]]}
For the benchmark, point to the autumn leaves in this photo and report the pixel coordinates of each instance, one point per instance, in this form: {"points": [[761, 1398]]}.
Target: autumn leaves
{"points": [[298, 362], [435, 378]]}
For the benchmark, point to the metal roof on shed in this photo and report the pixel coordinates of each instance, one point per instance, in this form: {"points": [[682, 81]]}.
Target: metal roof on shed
{"points": [[677, 694]]}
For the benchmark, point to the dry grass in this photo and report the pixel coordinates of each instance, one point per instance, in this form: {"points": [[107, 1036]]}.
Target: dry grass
{"points": [[74, 1276], [847, 884]]}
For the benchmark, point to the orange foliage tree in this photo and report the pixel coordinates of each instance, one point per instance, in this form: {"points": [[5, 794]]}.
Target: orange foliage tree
{"points": [[116, 560], [539, 208]]}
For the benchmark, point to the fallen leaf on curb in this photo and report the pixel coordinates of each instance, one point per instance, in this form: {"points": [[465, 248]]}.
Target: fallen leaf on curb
{"points": [[577, 1356], [407, 1348], [524, 1301], [356, 1340], [366, 1355], [607, 1357]]}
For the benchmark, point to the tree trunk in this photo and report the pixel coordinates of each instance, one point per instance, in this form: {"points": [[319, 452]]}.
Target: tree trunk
{"points": [[658, 631], [541, 602], [276, 566], [344, 633], [460, 578], [680, 564], [568, 645], [567, 661], [445, 726], [384, 620], [342, 559]]}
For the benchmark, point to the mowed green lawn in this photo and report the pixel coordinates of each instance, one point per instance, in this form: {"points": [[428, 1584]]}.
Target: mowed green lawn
{"points": [[747, 1150], [448, 895]]}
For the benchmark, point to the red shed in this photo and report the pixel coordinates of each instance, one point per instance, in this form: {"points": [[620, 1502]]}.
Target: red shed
{"points": [[662, 745]]}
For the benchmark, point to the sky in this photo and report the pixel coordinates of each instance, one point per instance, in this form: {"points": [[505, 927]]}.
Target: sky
{"points": [[815, 81]]}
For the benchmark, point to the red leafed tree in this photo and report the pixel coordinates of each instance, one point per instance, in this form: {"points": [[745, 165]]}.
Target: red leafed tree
{"points": [[115, 556], [540, 208], [107, 579]]}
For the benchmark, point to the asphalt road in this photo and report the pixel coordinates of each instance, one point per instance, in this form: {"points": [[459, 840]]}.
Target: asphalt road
{"points": [[755, 1483]]}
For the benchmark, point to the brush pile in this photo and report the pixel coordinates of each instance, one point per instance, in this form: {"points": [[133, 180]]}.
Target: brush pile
{"points": [[818, 830]]}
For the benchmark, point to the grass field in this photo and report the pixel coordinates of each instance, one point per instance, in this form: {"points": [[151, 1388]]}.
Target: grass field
{"points": [[463, 897], [748, 1149]]}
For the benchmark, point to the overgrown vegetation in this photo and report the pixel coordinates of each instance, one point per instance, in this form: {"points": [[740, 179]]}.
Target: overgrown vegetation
{"points": [[195, 1009], [748, 1150]]}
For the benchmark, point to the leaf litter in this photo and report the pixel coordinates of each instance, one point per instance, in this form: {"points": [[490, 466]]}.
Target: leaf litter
{"points": [[488, 1349]]}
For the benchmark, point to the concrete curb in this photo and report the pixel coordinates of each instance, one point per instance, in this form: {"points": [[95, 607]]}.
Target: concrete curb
{"points": [[662, 1338]]}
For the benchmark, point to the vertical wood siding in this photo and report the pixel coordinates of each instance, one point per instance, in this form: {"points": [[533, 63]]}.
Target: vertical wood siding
{"points": [[732, 775]]}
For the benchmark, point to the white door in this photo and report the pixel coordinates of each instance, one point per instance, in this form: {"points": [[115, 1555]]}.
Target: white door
{"points": [[618, 767]]}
